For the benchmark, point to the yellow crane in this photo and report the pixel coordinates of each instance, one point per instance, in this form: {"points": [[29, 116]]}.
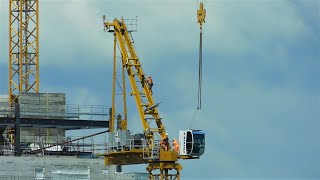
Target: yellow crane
{"points": [[124, 150], [23, 47], [23, 51]]}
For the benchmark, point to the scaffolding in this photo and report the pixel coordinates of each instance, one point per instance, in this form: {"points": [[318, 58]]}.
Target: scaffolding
{"points": [[41, 145]]}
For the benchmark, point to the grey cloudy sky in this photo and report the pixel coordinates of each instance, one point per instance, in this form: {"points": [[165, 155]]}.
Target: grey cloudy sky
{"points": [[261, 75]]}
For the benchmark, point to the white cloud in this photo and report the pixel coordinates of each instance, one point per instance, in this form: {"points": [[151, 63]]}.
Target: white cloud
{"points": [[4, 32], [74, 32], [236, 27], [232, 27], [240, 27]]}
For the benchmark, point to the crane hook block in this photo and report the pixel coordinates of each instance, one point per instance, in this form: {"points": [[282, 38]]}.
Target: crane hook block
{"points": [[201, 14]]}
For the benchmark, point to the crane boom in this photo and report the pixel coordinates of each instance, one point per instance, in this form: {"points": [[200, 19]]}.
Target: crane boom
{"points": [[143, 96]]}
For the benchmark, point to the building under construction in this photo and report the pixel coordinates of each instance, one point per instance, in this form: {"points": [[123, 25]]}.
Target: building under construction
{"points": [[39, 148], [33, 125], [33, 138]]}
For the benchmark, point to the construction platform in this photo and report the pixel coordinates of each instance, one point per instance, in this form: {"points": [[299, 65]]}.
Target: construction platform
{"points": [[54, 123]]}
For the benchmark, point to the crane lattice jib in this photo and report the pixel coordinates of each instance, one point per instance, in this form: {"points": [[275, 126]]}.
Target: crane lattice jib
{"points": [[143, 96]]}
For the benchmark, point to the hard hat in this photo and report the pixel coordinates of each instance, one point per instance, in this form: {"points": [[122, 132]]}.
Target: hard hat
{"points": [[174, 139], [167, 134]]}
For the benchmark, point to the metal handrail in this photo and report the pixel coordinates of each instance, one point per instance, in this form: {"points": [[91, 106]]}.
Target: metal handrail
{"points": [[70, 111]]}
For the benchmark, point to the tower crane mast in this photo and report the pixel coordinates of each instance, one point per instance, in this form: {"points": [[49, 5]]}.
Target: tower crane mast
{"points": [[23, 51], [23, 47]]}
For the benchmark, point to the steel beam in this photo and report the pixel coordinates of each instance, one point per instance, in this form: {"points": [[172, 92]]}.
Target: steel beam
{"points": [[54, 123]]}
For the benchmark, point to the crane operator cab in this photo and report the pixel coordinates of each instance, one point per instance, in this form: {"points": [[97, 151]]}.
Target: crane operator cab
{"points": [[192, 143]]}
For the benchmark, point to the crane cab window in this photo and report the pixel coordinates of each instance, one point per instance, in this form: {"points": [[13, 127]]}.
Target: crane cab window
{"points": [[189, 142], [198, 143], [192, 143]]}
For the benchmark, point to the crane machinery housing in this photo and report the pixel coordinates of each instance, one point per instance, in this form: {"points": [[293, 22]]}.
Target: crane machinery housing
{"points": [[125, 149]]}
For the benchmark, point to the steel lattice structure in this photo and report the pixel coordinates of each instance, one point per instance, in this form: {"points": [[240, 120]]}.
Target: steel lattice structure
{"points": [[23, 47]]}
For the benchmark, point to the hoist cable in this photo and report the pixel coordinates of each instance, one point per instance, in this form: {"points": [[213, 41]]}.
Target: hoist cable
{"points": [[194, 116], [199, 80], [200, 73]]}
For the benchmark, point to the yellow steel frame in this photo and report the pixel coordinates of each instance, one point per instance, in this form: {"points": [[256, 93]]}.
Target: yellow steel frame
{"points": [[114, 73], [123, 123], [23, 50], [164, 169], [23, 47], [148, 111], [143, 97], [134, 156]]}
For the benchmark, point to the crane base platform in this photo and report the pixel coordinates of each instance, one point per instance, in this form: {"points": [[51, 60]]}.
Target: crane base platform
{"points": [[134, 156]]}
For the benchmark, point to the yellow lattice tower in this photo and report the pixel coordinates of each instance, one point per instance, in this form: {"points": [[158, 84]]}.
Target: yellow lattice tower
{"points": [[23, 48]]}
